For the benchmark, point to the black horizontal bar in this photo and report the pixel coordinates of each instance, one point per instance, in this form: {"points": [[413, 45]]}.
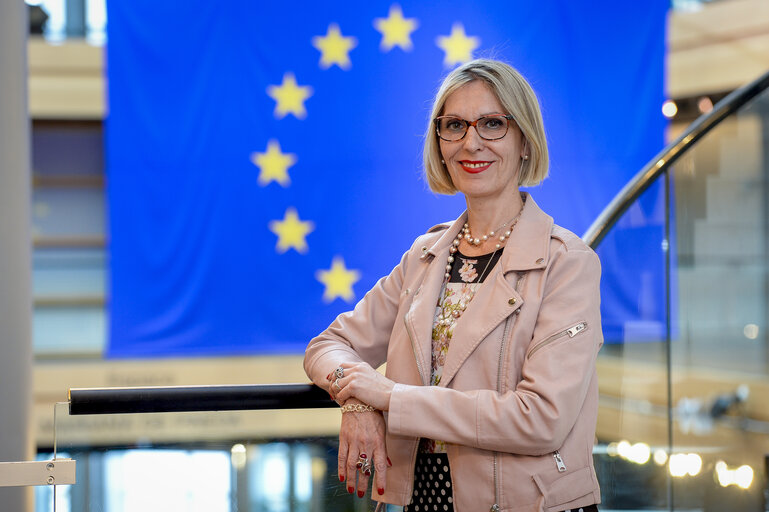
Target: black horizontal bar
{"points": [[196, 398]]}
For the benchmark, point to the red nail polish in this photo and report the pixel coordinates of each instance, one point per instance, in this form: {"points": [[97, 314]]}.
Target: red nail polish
{"points": [[350, 490], [360, 494], [380, 491], [389, 462], [341, 478]]}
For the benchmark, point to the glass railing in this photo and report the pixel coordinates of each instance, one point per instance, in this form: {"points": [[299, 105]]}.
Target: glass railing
{"points": [[684, 375]]}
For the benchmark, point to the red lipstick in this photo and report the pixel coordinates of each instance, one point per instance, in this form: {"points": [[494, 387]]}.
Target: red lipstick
{"points": [[474, 166]]}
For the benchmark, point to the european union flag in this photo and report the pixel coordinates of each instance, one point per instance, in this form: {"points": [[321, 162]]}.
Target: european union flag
{"points": [[264, 157]]}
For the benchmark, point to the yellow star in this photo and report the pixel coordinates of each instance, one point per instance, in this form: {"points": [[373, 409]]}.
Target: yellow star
{"points": [[289, 97], [458, 46], [273, 164], [396, 30], [338, 281], [291, 232], [334, 48]]}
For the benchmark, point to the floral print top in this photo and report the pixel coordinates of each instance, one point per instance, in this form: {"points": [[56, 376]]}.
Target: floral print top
{"points": [[467, 274]]}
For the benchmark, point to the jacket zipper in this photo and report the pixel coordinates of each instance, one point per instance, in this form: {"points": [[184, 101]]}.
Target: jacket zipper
{"points": [[495, 506], [571, 332], [421, 376], [559, 461]]}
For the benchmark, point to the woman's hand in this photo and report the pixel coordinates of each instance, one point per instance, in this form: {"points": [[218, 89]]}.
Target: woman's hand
{"points": [[363, 382], [362, 433]]}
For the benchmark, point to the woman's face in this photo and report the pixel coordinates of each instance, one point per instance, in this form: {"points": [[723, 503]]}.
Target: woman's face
{"points": [[481, 168]]}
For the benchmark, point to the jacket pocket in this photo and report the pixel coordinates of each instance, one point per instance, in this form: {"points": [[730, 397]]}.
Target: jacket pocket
{"points": [[566, 488], [570, 332]]}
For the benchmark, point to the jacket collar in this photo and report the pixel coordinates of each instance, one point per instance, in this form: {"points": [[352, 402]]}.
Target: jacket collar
{"points": [[527, 248]]}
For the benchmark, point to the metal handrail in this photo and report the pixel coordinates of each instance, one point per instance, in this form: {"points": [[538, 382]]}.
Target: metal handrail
{"points": [[196, 398], [665, 158]]}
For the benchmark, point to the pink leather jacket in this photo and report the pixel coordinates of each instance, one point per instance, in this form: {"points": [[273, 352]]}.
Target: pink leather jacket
{"points": [[518, 398]]}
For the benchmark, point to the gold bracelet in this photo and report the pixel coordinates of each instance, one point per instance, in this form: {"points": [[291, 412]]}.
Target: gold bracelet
{"points": [[357, 408]]}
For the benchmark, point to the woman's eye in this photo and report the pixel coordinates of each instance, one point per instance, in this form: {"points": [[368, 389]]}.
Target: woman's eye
{"points": [[454, 125], [493, 123]]}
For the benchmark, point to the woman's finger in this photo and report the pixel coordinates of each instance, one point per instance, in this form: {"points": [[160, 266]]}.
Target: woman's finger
{"points": [[380, 468], [342, 459], [364, 474], [352, 470]]}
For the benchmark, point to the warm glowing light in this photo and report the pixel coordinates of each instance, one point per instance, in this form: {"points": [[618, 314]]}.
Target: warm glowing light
{"points": [[639, 453], [750, 331], [660, 457], [723, 474], [677, 464], [623, 449], [669, 109], [693, 464], [238, 456], [318, 469], [705, 105], [611, 450], [743, 476]]}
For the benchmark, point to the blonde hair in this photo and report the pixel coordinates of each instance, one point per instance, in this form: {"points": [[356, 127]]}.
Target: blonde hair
{"points": [[517, 98]]}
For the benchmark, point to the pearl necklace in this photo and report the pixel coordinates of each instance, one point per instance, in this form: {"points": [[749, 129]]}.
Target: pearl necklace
{"points": [[478, 241], [446, 317], [465, 233]]}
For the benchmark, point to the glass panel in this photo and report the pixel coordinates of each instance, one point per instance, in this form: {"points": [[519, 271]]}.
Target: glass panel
{"points": [[632, 365], [256, 461], [720, 357]]}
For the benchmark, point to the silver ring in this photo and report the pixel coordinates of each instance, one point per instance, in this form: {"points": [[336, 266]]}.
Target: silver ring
{"points": [[339, 372], [336, 383], [364, 465]]}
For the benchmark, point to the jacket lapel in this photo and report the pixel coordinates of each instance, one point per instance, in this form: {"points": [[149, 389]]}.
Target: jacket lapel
{"points": [[496, 299], [420, 316]]}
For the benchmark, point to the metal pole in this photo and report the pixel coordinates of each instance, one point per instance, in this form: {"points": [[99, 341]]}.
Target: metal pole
{"points": [[15, 259]]}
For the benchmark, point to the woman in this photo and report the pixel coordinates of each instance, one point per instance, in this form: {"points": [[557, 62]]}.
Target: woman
{"points": [[489, 325]]}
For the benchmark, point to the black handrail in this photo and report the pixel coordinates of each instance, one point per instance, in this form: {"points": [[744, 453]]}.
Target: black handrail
{"points": [[197, 398], [665, 158]]}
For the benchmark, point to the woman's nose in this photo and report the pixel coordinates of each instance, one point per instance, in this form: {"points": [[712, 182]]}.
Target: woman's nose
{"points": [[472, 140]]}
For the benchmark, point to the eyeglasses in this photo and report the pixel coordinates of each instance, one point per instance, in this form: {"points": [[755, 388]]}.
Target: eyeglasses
{"points": [[452, 129]]}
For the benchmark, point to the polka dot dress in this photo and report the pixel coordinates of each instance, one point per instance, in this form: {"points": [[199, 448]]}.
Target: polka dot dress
{"points": [[433, 491], [432, 484]]}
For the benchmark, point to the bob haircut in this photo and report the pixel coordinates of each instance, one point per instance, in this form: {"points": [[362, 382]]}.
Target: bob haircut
{"points": [[518, 100]]}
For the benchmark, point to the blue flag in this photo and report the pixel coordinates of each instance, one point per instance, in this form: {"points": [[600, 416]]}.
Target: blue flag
{"points": [[264, 158]]}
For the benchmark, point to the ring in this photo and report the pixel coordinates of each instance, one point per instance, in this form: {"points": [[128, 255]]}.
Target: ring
{"points": [[363, 465], [336, 383], [339, 372]]}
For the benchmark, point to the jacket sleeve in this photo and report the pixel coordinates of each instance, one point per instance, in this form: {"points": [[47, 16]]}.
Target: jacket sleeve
{"points": [[361, 334], [536, 417]]}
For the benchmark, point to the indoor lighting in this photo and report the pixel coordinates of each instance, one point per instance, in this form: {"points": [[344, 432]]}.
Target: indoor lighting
{"points": [[669, 109], [742, 477], [705, 105], [682, 464], [238, 456]]}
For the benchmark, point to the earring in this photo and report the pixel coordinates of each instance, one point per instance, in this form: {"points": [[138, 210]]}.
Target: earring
{"points": [[525, 157], [443, 161]]}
